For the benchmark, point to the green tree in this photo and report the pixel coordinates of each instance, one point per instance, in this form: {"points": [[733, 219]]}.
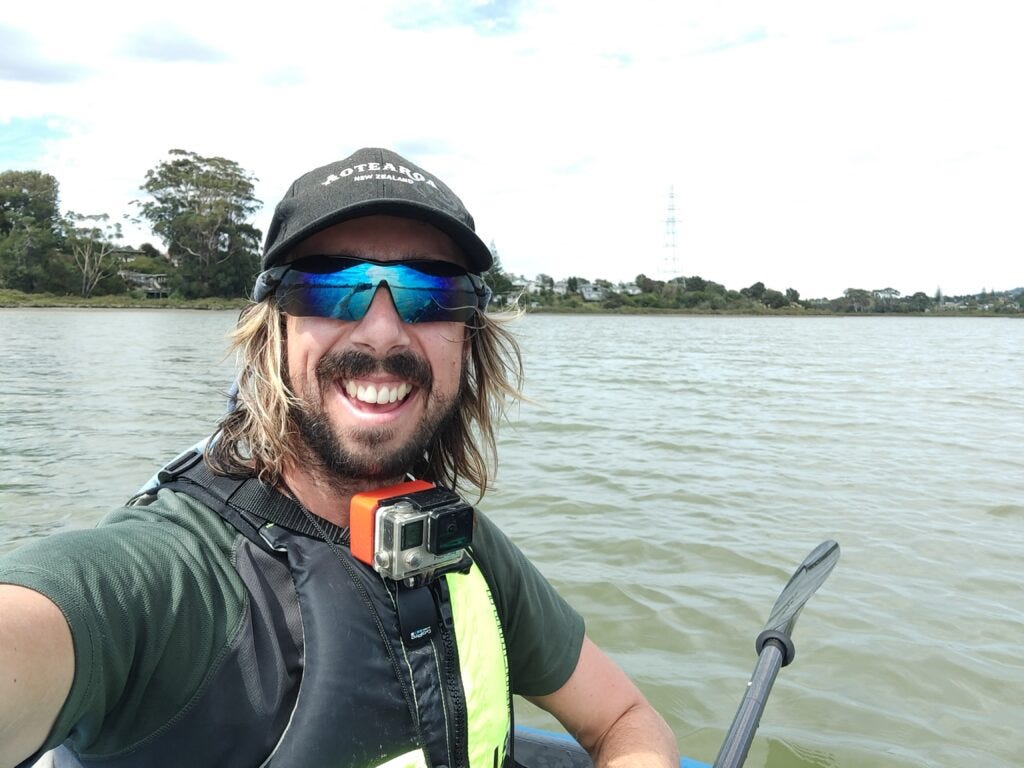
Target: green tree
{"points": [[696, 283], [756, 291], [147, 265], [693, 299], [774, 299], [919, 302], [30, 233], [496, 277], [713, 288], [200, 207], [614, 301], [148, 249], [92, 241], [28, 196], [647, 285], [671, 293], [857, 300]]}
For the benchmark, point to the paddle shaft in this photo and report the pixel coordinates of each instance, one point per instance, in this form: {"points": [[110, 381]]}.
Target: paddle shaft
{"points": [[741, 732], [775, 650]]}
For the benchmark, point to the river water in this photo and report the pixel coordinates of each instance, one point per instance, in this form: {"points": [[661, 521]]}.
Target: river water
{"points": [[668, 475]]}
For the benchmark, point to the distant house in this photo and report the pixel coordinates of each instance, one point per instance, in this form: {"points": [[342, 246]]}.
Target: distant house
{"points": [[519, 283], [630, 289], [591, 292], [154, 286]]}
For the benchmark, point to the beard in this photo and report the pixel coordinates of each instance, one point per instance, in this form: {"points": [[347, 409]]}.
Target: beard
{"points": [[368, 454]]}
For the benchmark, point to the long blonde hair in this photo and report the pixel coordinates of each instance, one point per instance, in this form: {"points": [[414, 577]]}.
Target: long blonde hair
{"points": [[259, 437]]}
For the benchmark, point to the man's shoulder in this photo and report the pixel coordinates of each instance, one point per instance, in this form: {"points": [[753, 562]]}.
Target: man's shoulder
{"points": [[489, 541], [165, 538], [504, 565], [170, 513]]}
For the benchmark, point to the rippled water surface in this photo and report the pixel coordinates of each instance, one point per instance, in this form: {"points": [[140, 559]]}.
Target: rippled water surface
{"points": [[668, 475]]}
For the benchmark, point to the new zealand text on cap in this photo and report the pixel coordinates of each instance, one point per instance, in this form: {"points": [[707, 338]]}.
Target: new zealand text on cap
{"points": [[370, 181]]}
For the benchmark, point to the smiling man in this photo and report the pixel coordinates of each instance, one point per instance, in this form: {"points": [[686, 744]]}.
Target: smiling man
{"points": [[311, 591], [373, 393]]}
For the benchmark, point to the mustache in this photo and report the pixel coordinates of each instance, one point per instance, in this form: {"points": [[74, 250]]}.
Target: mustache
{"points": [[354, 364]]}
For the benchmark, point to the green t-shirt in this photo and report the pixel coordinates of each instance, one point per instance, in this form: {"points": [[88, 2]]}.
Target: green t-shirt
{"points": [[152, 598]]}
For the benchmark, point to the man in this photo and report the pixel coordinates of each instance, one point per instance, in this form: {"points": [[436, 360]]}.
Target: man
{"points": [[226, 617]]}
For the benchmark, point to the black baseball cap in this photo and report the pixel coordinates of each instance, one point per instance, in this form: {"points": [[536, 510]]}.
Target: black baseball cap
{"points": [[370, 181]]}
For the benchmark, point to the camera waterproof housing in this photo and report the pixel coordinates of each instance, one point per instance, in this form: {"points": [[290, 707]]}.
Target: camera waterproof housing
{"points": [[411, 532]]}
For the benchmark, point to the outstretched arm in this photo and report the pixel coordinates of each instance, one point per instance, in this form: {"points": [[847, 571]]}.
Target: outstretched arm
{"points": [[607, 714], [37, 665]]}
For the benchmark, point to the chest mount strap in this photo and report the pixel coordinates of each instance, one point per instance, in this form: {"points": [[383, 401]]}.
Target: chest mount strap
{"points": [[246, 502]]}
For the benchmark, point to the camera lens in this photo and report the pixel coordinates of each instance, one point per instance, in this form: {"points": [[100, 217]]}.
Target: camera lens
{"points": [[450, 529]]}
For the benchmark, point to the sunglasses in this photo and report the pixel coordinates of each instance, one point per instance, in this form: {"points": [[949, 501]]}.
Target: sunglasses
{"points": [[342, 288]]}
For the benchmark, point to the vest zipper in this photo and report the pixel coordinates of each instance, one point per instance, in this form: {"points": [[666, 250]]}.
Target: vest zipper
{"points": [[452, 679]]}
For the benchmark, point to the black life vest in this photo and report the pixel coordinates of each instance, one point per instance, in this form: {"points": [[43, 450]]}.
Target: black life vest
{"points": [[319, 675]]}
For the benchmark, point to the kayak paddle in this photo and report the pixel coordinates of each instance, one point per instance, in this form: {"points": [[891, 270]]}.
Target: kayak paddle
{"points": [[775, 649]]}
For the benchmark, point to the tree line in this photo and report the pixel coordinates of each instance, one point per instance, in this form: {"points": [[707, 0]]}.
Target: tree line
{"points": [[696, 294], [199, 207], [201, 210]]}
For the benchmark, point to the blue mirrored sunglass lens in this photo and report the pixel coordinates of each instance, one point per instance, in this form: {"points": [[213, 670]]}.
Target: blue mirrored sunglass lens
{"points": [[346, 294]]}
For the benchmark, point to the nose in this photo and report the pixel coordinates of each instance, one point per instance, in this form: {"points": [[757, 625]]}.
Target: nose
{"points": [[381, 330]]}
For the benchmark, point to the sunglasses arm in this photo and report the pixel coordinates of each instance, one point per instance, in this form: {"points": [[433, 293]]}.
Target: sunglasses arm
{"points": [[267, 282]]}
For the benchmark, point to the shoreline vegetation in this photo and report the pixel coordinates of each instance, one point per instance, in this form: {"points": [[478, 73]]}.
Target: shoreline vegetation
{"points": [[12, 299]]}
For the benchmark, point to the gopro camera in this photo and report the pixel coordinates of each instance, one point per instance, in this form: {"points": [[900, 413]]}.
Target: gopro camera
{"points": [[411, 532]]}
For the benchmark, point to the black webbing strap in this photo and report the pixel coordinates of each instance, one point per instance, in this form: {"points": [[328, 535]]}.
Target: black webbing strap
{"points": [[417, 614], [243, 500]]}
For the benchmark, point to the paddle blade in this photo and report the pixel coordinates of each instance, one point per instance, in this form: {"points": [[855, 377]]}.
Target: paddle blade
{"points": [[804, 582]]}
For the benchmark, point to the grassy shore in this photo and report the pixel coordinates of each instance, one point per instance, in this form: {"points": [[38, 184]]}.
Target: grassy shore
{"points": [[9, 298]]}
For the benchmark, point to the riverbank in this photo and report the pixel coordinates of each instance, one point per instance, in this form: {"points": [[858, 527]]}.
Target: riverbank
{"points": [[9, 298], [18, 299]]}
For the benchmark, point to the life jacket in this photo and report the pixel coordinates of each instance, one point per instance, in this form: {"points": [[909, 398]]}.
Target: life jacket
{"points": [[335, 666]]}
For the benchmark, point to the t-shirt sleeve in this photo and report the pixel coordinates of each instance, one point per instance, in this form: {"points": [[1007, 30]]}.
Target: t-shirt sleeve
{"points": [[150, 600], [543, 633]]}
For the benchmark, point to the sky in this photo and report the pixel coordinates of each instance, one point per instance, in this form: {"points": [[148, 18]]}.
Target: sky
{"points": [[813, 145]]}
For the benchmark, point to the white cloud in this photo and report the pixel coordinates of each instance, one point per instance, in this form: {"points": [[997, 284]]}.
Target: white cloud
{"points": [[818, 146]]}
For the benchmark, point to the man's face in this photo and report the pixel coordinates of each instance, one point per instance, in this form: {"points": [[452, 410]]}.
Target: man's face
{"points": [[374, 391]]}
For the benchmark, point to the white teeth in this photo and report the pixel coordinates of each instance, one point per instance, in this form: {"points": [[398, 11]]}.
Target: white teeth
{"points": [[381, 395]]}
